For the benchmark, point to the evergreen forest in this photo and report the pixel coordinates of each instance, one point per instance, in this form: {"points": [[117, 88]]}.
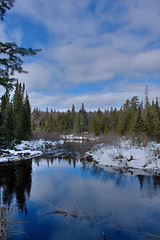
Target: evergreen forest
{"points": [[15, 116], [133, 117]]}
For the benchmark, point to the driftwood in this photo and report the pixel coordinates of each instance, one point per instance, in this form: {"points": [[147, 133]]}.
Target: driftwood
{"points": [[57, 210], [73, 214]]}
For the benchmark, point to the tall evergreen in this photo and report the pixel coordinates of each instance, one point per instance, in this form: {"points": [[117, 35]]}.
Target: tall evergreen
{"points": [[138, 122], [83, 119], [120, 125], [18, 108], [9, 124], [26, 121]]}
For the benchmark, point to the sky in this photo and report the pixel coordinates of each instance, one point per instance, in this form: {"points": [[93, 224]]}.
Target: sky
{"points": [[96, 52]]}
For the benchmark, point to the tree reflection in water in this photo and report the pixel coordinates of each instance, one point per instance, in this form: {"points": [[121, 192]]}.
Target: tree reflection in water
{"points": [[119, 176], [15, 180]]}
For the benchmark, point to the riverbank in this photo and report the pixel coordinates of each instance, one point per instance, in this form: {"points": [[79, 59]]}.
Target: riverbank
{"points": [[35, 148], [126, 155], [28, 149], [118, 153]]}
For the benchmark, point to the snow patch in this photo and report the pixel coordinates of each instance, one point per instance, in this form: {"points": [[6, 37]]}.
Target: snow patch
{"points": [[28, 149], [74, 138], [126, 155]]}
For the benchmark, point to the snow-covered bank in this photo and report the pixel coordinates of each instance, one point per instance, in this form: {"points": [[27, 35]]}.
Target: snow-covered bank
{"points": [[27, 150], [34, 148], [126, 155]]}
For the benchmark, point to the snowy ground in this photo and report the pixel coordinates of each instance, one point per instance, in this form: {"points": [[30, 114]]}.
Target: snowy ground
{"points": [[126, 155], [30, 149], [122, 155], [27, 149]]}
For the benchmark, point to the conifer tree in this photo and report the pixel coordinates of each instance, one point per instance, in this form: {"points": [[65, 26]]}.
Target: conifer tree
{"points": [[83, 119], [4, 106], [134, 104], [113, 119], [27, 118], [77, 127], [9, 124], [120, 124], [156, 119], [10, 54], [138, 123], [127, 114], [18, 109]]}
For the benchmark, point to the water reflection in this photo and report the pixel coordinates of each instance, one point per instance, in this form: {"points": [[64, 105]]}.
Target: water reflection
{"points": [[149, 184], [96, 199], [16, 180]]}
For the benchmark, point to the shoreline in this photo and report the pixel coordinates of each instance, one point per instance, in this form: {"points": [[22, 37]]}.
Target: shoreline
{"points": [[121, 156]]}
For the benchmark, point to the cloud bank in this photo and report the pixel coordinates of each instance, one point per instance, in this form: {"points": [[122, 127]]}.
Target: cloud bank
{"points": [[92, 42]]}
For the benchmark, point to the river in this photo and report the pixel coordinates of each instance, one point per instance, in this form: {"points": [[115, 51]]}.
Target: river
{"points": [[59, 196]]}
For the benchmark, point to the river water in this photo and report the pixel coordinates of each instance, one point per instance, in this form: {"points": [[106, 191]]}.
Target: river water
{"points": [[59, 196]]}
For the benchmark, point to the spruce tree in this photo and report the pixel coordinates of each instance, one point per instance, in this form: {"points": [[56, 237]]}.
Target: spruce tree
{"points": [[120, 124], [77, 127], [18, 109], [138, 123], [9, 124], [27, 118], [83, 119]]}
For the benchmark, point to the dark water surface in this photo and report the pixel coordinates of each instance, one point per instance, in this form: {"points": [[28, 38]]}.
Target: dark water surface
{"points": [[90, 201]]}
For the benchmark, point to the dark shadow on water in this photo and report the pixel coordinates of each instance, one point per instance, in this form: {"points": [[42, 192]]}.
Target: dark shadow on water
{"points": [[16, 180]]}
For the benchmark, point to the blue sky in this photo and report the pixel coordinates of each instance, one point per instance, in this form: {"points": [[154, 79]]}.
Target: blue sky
{"points": [[99, 52]]}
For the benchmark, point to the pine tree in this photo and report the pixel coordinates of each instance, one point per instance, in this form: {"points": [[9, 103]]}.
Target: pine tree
{"points": [[156, 119], [134, 104], [127, 114], [77, 127], [83, 119], [147, 115], [9, 124], [120, 124], [4, 106], [18, 109], [138, 123], [113, 119], [27, 118], [95, 126], [10, 54]]}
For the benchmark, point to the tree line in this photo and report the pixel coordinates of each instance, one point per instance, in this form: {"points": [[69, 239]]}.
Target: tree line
{"points": [[15, 115], [133, 117]]}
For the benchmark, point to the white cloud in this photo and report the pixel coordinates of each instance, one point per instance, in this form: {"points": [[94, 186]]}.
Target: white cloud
{"points": [[96, 53], [39, 76], [12, 35], [105, 99], [4, 37], [117, 39], [95, 64], [16, 35]]}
